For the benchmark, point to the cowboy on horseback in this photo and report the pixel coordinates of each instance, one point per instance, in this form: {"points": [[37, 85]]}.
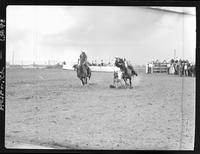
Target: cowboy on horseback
{"points": [[123, 65], [82, 58], [126, 70], [82, 61], [82, 68]]}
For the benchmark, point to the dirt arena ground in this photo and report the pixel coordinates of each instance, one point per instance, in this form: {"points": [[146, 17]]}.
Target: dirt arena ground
{"points": [[50, 108]]}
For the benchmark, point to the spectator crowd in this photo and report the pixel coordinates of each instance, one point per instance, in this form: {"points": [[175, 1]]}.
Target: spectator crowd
{"points": [[174, 66], [181, 68]]}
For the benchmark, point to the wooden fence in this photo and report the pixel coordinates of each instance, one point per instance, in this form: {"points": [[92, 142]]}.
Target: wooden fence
{"points": [[157, 67]]}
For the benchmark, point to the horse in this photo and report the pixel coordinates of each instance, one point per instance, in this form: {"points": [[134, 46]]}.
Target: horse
{"points": [[128, 72], [83, 73]]}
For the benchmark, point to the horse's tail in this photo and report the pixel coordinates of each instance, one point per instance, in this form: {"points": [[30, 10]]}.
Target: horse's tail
{"points": [[134, 72]]}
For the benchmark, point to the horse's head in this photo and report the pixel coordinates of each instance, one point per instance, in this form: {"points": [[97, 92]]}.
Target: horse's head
{"points": [[120, 63]]}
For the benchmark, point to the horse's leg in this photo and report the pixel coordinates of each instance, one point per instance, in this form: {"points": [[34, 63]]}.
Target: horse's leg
{"points": [[125, 81], [89, 74], [82, 81], [114, 83], [121, 83], [130, 82], [85, 80]]}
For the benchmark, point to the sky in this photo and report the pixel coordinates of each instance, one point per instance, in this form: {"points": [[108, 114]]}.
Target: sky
{"points": [[59, 33]]}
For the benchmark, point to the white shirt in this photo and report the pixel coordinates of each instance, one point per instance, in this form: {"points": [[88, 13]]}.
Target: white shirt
{"points": [[185, 67], [126, 64]]}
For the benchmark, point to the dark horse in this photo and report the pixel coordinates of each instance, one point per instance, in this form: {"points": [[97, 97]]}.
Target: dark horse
{"points": [[83, 73], [127, 72]]}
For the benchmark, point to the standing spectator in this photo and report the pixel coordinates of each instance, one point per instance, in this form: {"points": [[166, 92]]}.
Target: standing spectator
{"points": [[172, 70], [189, 69], [151, 67], [185, 69], [176, 68], [101, 62], [95, 63], [180, 69], [147, 68], [182, 66], [168, 67], [172, 61]]}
